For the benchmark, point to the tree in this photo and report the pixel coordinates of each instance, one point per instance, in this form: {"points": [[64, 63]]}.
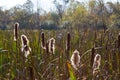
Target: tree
{"points": [[60, 8], [28, 6]]}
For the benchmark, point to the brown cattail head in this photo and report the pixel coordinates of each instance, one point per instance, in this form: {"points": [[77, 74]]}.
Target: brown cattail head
{"points": [[119, 41], [97, 58], [51, 45], [92, 57], [96, 63], [68, 42], [43, 40], [25, 45], [75, 59], [16, 25], [24, 40]]}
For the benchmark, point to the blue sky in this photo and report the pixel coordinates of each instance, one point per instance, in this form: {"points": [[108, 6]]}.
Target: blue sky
{"points": [[44, 4]]}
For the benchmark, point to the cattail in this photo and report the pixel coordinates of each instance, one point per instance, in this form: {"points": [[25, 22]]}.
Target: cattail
{"points": [[47, 48], [68, 42], [96, 63], [68, 45], [16, 25], [25, 45], [92, 57], [43, 40], [24, 40], [119, 41], [51, 45], [75, 59]]}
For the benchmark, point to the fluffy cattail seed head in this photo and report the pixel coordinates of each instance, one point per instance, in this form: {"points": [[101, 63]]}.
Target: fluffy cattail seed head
{"points": [[97, 57], [96, 63], [51, 45], [75, 59], [25, 45], [16, 25]]}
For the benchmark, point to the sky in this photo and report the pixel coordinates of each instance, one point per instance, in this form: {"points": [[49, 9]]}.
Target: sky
{"points": [[44, 4]]}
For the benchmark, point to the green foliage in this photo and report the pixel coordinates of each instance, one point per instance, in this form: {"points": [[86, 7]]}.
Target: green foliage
{"points": [[72, 76]]}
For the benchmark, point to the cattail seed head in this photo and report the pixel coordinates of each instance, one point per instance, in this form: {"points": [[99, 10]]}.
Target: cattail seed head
{"points": [[25, 45], [75, 59], [68, 42], [97, 58], [27, 50], [96, 63], [24, 40], [51, 45], [16, 25], [43, 40], [92, 56], [119, 41]]}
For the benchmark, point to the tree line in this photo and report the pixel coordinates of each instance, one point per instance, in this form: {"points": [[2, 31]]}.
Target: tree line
{"points": [[94, 14]]}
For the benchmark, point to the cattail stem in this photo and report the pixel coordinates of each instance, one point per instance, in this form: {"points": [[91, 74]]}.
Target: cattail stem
{"points": [[31, 73], [67, 53], [17, 55], [114, 60], [16, 25], [119, 50]]}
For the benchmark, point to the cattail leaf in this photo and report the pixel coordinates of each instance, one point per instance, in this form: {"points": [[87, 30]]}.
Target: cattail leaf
{"points": [[72, 76]]}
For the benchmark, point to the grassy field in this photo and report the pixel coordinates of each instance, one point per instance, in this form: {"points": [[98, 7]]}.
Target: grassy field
{"points": [[43, 65]]}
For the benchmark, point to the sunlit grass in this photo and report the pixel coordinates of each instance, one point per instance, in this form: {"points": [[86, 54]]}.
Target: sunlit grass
{"points": [[43, 65]]}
